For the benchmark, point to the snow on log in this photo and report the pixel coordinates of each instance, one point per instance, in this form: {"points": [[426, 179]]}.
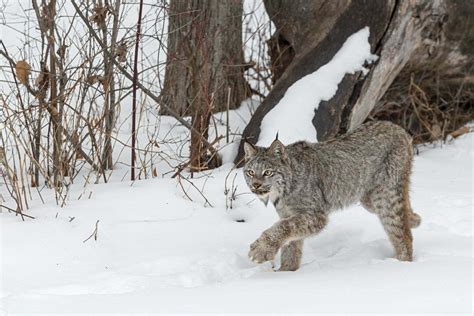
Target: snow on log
{"points": [[310, 90]]}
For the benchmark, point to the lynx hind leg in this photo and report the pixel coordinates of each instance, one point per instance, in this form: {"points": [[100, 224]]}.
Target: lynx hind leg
{"points": [[291, 255], [388, 204]]}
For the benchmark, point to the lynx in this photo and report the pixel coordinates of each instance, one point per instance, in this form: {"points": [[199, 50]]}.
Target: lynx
{"points": [[307, 181]]}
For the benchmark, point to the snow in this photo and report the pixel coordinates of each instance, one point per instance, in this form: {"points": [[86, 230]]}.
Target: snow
{"points": [[157, 251], [292, 116]]}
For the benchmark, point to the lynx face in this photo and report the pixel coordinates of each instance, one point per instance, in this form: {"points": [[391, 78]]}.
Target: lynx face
{"points": [[263, 170]]}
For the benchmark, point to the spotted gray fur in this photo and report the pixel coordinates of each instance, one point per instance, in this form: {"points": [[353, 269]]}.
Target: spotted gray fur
{"points": [[307, 181]]}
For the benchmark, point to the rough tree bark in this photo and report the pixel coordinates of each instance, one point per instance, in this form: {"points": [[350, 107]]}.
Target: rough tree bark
{"points": [[402, 32], [205, 56], [281, 55]]}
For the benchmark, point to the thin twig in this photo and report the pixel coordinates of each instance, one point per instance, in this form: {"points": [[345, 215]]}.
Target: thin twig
{"points": [[134, 95], [17, 212], [202, 194], [94, 233]]}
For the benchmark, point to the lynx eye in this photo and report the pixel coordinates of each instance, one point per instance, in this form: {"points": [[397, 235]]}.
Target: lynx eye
{"points": [[250, 173], [268, 173]]}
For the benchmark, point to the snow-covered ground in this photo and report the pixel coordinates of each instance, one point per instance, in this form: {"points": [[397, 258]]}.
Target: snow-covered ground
{"points": [[157, 251]]}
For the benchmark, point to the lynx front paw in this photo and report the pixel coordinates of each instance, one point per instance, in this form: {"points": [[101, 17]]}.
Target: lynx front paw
{"points": [[261, 251]]}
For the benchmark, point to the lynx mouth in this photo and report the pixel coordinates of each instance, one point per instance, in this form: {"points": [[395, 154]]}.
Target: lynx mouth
{"points": [[261, 192]]}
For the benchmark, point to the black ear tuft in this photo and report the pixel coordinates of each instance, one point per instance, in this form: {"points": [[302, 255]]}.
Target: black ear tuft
{"points": [[276, 138]]}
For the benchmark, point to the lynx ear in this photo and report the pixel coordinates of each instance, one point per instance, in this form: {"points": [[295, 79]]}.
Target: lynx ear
{"points": [[277, 148], [249, 150]]}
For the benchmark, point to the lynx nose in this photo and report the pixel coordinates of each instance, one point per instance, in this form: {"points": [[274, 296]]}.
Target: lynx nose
{"points": [[256, 185]]}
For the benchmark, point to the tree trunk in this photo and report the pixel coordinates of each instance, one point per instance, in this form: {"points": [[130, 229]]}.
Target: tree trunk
{"points": [[205, 57], [204, 71], [431, 42], [402, 33], [57, 133], [109, 86]]}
